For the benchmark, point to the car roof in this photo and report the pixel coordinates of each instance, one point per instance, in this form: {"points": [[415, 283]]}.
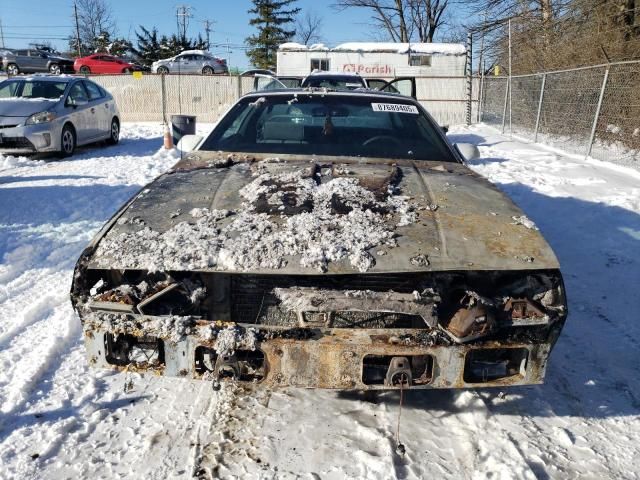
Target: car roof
{"points": [[334, 74], [47, 78], [362, 92]]}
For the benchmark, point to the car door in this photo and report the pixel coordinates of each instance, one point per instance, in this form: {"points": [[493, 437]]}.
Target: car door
{"points": [[403, 85], [97, 65], [24, 61], [186, 64], [79, 112], [110, 64], [38, 61], [99, 109]]}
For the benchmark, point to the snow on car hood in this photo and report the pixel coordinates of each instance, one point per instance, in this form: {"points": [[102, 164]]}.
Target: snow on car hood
{"points": [[25, 107], [315, 217]]}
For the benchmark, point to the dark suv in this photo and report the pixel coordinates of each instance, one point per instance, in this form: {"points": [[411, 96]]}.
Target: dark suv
{"points": [[34, 61]]}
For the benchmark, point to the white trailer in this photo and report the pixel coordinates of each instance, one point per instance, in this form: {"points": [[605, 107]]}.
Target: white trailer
{"points": [[374, 60], [439, 69]]}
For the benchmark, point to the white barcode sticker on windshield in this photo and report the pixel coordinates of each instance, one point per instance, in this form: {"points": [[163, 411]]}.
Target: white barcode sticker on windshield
{"points": [[394, 107]]}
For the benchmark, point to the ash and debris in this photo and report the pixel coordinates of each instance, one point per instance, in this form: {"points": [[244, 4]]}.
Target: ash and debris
{"points": [[524, 221], [233, 338], [472, 299], [344, 220], [425, 338], [128, 294], [134, 294], [419, 260], [173, 328]]}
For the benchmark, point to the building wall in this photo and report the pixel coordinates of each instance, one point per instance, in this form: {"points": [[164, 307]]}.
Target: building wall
{"points": [[369, 64]]}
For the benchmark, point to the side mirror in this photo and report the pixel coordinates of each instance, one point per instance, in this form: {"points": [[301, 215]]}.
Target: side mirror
{"points": [[75, 103], [468, 150], [445, 128], [188, 143]]}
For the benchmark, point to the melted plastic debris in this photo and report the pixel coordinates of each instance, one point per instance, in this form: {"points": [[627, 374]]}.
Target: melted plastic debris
{"points": [[173, 328], [345, 221], [524, 221]]}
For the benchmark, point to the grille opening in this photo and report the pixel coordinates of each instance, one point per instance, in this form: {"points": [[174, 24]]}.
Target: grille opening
{"points": [[375, 368], [489, 364], [246, 365], [125, 350], [372, 319]]}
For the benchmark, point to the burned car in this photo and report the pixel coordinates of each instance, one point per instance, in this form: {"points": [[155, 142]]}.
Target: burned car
{"points": [[322, 239]]}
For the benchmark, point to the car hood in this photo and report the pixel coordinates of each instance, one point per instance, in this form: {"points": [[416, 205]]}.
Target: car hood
{"points": [[163, 61], [206, 215], [24, 107]]}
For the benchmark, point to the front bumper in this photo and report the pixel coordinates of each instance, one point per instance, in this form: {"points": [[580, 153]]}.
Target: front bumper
{"points": [[26, 139], [345, 359]]}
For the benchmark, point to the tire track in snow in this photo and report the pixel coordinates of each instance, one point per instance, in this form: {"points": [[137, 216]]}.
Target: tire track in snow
{"points": [[36, 357]]}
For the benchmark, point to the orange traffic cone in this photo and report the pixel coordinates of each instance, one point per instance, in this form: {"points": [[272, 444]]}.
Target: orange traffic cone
{"points": [[168, 139]]}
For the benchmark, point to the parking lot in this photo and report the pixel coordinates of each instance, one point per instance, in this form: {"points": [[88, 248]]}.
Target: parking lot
{"points": [[59, 419]]}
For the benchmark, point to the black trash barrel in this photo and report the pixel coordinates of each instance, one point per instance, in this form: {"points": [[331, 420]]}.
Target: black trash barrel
{"points": [[182, 125]]}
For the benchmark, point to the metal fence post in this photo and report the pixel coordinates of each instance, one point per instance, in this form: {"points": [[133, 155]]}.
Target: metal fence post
{"points": [[481, 94], [164, 98], [506, 98], [597, 114], [469, 73], [544, 80], [510, 82]]}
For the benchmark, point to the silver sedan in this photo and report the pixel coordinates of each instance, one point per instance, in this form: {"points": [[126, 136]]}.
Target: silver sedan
{"points": [[55, 114], [191, 61]]}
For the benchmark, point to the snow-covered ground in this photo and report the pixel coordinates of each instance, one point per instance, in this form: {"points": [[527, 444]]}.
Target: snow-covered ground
{"points": [[60, 419]]}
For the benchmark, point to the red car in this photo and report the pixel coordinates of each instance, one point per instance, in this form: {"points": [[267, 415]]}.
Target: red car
{"points": [[102, 63]]}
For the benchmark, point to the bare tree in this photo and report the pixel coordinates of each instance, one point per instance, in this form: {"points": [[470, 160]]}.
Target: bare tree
{"points": [[404, 20], [389, 14], [427, 16], [309, 28], [95, 19]]}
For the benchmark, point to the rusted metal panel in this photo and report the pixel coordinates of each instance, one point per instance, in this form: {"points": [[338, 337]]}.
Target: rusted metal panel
{"points": [[335, 360]]}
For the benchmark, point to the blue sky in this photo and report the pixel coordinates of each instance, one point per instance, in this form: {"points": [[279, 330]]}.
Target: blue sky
{"points": [[24, 20]]}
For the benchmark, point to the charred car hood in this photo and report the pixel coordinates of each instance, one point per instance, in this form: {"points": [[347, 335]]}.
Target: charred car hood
{"points": [[259, 217]]}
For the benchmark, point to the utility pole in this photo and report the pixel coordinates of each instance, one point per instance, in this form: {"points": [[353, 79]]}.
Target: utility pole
{"points": [[75, 14], [1, 33], [228, 55], [208, 24], [183, 13]]}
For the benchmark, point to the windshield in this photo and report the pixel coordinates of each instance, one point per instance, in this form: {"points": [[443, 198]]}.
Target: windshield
{"points": [[335, 82], [32, 89], [308, 124]]}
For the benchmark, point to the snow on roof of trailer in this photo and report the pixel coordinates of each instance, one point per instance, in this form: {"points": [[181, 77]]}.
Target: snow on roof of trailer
{"points": [[427, 48]]}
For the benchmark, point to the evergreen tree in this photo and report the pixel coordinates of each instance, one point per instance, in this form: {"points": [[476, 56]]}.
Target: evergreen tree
{"points": [[272, 18], [149, 45]]}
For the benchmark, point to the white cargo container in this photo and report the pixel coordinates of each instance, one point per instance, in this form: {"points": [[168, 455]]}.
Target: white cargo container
{"points": [[374, 60]]}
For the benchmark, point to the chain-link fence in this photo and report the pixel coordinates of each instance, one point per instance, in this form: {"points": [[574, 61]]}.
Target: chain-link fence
{"points": [[154, 97], [592, 111], [157, 97]]}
